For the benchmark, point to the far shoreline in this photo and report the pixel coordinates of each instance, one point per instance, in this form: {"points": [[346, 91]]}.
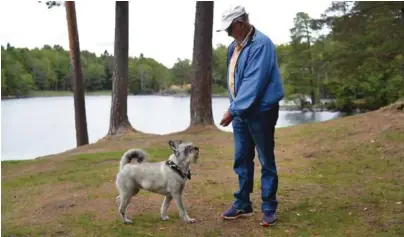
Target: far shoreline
{"points": [[44, 94]]}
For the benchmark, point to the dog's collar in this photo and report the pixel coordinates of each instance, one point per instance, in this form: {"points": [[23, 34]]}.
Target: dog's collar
{"points": [[175, 167]]}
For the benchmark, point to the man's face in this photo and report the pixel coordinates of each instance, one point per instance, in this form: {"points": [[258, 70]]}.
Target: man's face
{"points": [[235, 30]]}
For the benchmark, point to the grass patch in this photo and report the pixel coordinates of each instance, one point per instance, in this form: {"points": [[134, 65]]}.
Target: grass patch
{"points": [[337, 178], [213, 233], [22, 231], [87, 225], [15, 164], [88, 169], [395, 136]]}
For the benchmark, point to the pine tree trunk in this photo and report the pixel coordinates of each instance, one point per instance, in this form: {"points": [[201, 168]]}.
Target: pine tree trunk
{"points": [[77, 82], [201, 91], [119, 122], [402, 45], [310, 58]]}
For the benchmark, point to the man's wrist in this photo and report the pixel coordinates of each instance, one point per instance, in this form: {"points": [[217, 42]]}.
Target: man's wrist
{"points": [[232, 113]]}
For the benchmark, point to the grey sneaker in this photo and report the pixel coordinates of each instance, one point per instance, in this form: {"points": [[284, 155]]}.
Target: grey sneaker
{"points": [[268, 218], [234, 213]]}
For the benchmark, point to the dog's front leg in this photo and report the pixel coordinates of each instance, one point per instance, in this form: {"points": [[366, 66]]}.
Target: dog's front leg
{"points": [[164, 207], [181, 208]]}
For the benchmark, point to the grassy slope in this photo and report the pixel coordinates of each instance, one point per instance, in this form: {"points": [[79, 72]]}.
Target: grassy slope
{"points": [[337, 178]]}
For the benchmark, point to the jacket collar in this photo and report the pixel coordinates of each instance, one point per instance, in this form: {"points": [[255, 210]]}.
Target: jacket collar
{"points": [[250, 39]]}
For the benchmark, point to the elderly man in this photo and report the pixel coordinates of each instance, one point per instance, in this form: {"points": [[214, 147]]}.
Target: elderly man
{"points": [[255, 89]]}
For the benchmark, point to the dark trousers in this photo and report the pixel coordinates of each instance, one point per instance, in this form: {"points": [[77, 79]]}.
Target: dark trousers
{"points": [[258, 132]]}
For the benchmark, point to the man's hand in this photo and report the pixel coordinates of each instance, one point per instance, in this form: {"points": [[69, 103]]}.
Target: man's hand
{"points": [[226, 119]]}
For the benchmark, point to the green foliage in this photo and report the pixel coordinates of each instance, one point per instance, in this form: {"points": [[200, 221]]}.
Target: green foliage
{"points": [[182, 72], [49, 69], [219, 66], [359, 62]]}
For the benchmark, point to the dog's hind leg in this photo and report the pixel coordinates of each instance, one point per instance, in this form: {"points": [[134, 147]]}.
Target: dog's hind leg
{"points": [[181, 208], [125, 198], [164, 207]]}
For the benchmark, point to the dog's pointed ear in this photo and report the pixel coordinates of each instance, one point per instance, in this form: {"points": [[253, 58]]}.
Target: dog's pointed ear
{"points": [[174, 147], [172, 144]]}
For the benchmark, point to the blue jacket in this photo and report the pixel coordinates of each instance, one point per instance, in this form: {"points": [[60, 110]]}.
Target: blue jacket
{"points": [[257, 80]]}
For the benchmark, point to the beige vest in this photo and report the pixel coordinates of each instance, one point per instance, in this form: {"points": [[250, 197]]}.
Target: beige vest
{"points": [[233, 62]]}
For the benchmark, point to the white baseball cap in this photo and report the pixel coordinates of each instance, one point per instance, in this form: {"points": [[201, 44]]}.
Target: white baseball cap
{"points": [[229, 15]]}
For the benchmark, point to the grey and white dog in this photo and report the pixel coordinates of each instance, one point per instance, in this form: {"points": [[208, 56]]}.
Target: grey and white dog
{"points": [[167, 177]]}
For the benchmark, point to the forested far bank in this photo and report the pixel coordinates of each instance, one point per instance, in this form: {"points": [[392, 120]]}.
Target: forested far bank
{"points": [[357, 62], [48, 68]]}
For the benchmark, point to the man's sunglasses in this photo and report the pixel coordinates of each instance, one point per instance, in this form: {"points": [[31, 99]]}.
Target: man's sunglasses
{"points": [[229, 29]]}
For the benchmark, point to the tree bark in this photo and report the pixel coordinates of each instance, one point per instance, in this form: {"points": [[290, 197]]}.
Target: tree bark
{"points": [[402, 34], [119, 122], [77, 82], [201, 85], [310, 58]]}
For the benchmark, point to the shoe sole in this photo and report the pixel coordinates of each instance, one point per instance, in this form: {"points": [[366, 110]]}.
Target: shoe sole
{"points": [[267, 224], [235, 217]]}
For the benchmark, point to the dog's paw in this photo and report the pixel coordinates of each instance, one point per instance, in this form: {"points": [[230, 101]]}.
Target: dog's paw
{"points": [[127, 221], [190, 220], [164, 218]]}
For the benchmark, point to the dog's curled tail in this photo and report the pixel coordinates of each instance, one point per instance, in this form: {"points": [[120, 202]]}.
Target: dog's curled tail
{"points": [[135, 153]]}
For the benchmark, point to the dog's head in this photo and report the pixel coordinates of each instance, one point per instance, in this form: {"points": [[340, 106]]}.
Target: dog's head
{"points": [[184, 151]]}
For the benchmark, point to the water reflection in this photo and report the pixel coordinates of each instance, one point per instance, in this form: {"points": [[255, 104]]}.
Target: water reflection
{"points": [[297, 117]]}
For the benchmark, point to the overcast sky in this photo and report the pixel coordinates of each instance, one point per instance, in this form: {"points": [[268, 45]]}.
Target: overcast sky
{"points": [[154, 30]]}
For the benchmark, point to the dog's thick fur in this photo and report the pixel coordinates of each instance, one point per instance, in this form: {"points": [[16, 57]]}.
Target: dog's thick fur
{"points": [[155, 177]]}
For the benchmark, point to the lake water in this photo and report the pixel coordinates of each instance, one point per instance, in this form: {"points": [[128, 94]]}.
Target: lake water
{"points": [[36, 127]]}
